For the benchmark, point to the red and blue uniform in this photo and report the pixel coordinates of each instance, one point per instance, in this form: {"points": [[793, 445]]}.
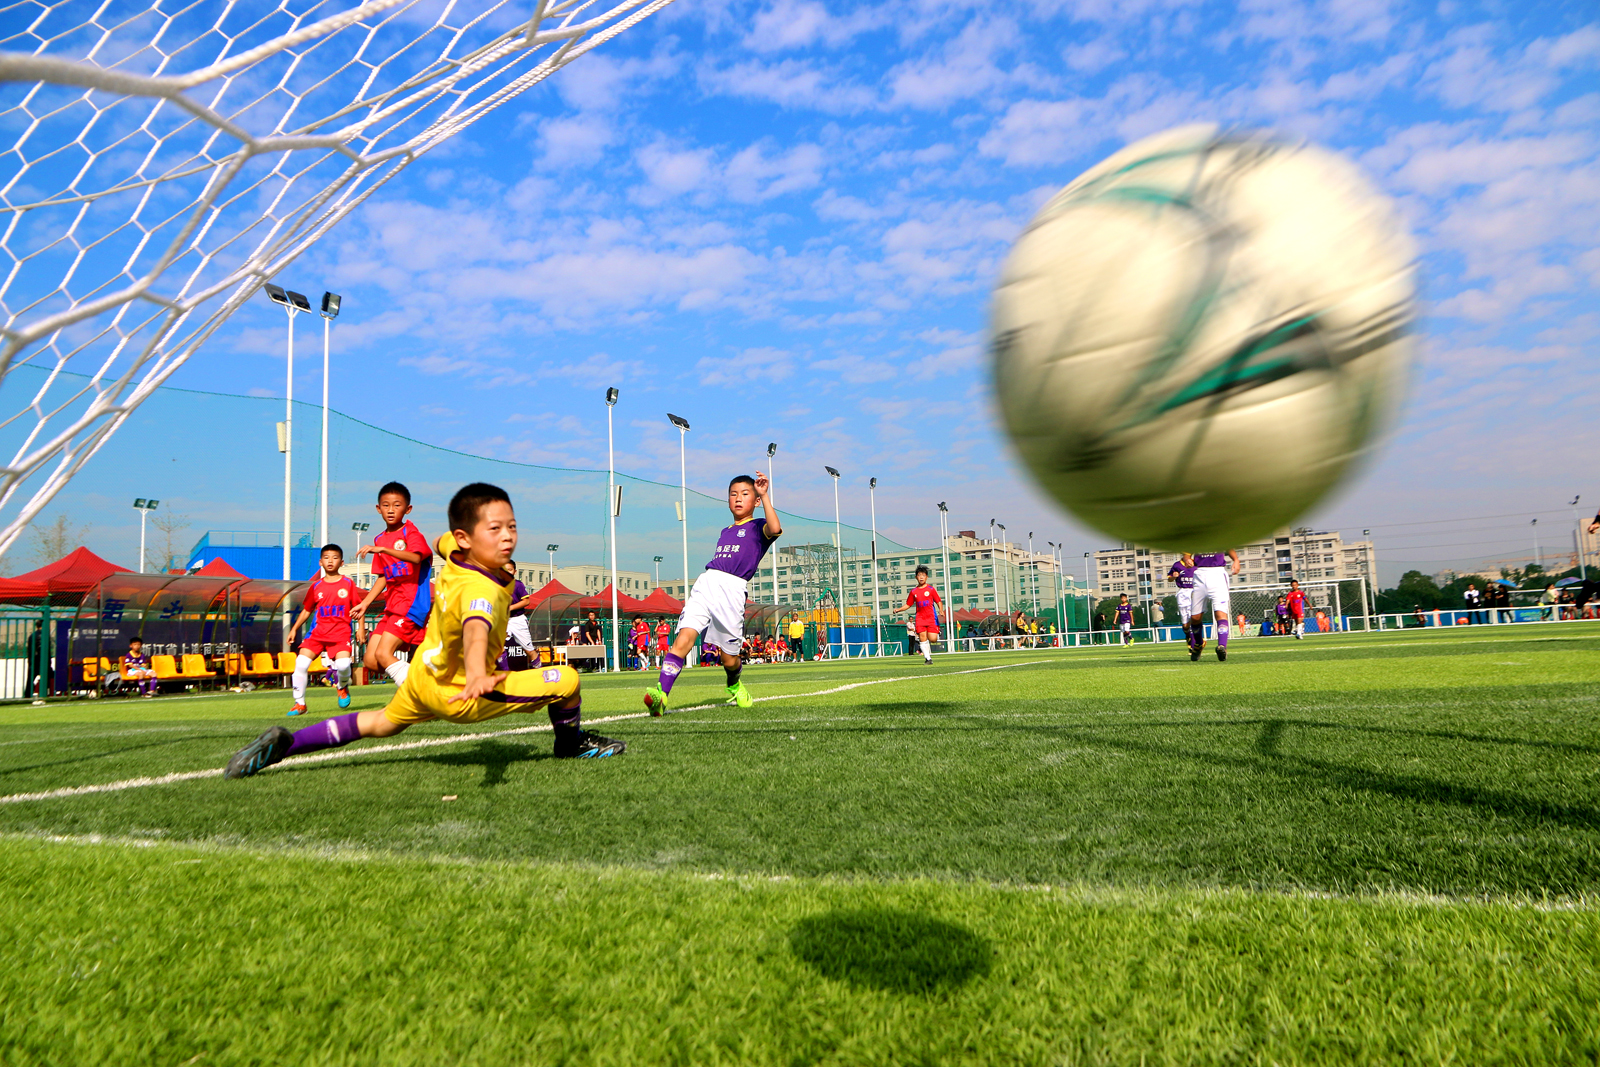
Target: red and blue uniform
{"points": [[1297, 603], [925, 598], [407, 595], [329, 601]]}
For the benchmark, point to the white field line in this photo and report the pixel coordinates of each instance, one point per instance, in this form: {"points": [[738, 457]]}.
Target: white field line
{"points": [[455, 739]]}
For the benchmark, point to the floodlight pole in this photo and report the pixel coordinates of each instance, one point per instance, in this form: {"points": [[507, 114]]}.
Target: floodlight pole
{"points": [[1006, 544], [658, 571], [288, 446], [949, 604], [552, 549], [1538, 561], [1577, 539], [838, 555], [359, 528], [611, 509], [772, 464], [330, 309], [683, 494], [877, 618], [144, 507]]}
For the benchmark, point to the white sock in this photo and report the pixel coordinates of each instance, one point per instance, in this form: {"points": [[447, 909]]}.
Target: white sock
{"points": [[927, 653], [302, 668], [397, 671], [341, 667]]}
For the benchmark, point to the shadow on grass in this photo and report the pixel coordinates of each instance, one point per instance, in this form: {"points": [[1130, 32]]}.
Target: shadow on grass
{"points": [[898, 951]]}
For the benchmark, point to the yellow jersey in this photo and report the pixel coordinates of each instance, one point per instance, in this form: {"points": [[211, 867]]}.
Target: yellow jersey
{"points": [[462, 591]]}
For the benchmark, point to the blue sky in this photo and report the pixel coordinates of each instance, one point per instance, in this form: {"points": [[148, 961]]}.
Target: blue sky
{"points": [[782, 220]]}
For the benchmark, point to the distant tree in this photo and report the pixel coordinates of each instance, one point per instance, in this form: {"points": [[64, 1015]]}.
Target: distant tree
{"points": [[55, 539], [1414, 590], [165, 550]]}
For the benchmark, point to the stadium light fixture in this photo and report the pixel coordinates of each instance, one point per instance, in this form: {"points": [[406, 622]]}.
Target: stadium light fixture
{"points": [[682, 425], [291, 302], [611, 507], [145, 507], [552, 549], [838, 555], [658, 570], [360, 528], [330, 311]]}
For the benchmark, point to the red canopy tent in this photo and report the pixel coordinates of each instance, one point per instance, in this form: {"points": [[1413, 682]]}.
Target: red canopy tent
{"points": [[65, 581], [548, 590], [601, 601], [972, 615], [661, 602], [218, 568]]}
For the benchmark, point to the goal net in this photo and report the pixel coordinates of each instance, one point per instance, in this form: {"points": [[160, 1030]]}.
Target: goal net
{"points": [[164, 161], [1332, 600]]}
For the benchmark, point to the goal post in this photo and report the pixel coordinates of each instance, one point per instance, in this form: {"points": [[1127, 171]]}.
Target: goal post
{"points": [[163, 166]]}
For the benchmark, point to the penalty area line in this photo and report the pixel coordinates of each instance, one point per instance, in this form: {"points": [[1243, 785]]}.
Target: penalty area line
{"points": [[456, 739]]}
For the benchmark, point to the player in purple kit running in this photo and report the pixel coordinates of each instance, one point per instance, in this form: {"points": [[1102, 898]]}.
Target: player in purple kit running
{"points": [[1211, 570], [716, 603], [1125, 619], [1181, 573]]}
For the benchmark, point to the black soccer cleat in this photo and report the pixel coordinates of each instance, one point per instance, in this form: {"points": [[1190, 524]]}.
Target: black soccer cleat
{"points": [[589, 746], [259, 754], [1222, 654], [1194, 654]]}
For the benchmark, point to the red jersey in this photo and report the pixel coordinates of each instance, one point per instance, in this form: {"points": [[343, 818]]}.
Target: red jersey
{"points": [[925, 598], [402, 579], [1297, 603], [329, 600], [663, 635]]}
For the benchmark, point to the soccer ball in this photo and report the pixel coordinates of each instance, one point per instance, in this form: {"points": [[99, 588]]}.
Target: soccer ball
{"points": [[1197, 338]]}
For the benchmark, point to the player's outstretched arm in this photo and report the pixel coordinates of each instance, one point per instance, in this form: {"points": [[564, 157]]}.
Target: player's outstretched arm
{"points": [[360, 610], [299, 621], [475, 655], [771, 523]]}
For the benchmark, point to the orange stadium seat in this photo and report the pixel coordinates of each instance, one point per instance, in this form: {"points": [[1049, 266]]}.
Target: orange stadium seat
{"points": [[194, 666], [285, 662], [166, 668]]}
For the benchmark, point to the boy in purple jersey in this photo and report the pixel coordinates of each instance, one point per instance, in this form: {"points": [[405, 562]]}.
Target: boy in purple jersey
{"points": [[1125, 619], [1181, 573], [716, 603], [1211, 570]]}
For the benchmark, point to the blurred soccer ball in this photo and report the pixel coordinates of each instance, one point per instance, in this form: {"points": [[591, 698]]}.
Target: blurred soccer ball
{"points": [[1195, 340]]}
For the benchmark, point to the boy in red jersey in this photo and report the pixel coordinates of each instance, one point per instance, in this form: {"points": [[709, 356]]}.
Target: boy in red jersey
{"points": [[401, 560], [1297, 609], [925, 599], [663, 643], [329, 599]]}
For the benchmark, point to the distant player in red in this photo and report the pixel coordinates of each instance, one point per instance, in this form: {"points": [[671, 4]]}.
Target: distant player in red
{"points": [[1297, 610], [663, 642], [329, 601], [924, 599], [401, 560]]}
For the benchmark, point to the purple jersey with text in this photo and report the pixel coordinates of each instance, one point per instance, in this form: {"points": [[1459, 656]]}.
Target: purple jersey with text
{"points": [[1210, 559], [1183, 574], [1124, 614], [740, 548]]}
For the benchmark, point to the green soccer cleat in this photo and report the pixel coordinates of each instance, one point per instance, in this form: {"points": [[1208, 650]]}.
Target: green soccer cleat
{"points": [[655, 701], [738, 694], [259, 754]]}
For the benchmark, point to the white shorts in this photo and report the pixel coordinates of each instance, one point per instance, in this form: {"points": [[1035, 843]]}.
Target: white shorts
{"points": [[1209, 583], [1125, 627], [1185, 598], [716, 610], [517, 631]]}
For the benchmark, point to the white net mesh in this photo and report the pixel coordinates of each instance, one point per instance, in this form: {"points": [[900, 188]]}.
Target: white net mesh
{"points": [[166, 159]]}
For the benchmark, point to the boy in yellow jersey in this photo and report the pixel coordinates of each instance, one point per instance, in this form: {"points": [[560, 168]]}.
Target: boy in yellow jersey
{"points": [[454, 675]]}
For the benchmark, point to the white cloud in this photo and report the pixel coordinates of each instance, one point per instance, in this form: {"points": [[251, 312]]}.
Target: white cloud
{"points": [[753, 175], [752, 367]]}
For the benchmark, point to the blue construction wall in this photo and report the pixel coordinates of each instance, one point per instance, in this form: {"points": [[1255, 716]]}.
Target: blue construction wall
{"points": [[261, 562]]}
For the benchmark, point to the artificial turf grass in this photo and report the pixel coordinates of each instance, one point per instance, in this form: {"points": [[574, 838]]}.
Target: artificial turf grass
{"points": [[163, 953], [1008, 775]]}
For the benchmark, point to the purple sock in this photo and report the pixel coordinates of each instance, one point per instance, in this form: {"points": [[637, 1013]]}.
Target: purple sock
{"points": [[671, 664], [566, 718], [329, 733], [1222, 635]]}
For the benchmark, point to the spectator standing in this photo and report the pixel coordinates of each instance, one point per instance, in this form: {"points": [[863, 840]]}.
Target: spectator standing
{"points": [[591, 634], [1473, 601]]}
